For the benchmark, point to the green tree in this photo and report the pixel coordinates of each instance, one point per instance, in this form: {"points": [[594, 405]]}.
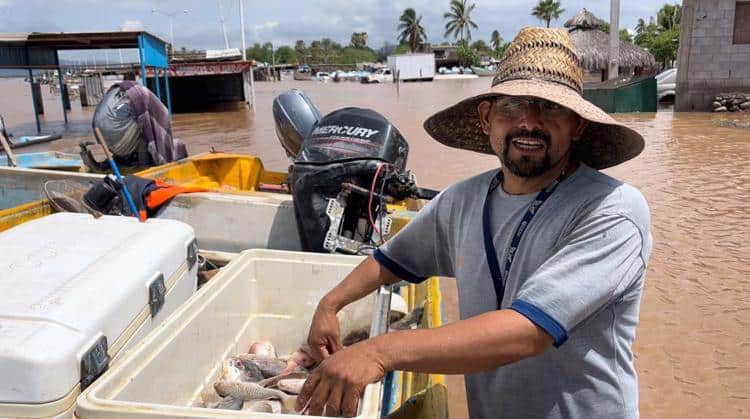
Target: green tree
{"points": [[668, 17], [664, 46], [640, 27], [301, 50], [359, 39], [481, 48], [286, 55], [547, 10], [315, 52], [459, 22], [412, 32], [625, 36], [467, 56], [328, 50], [353, 55], [402, 49], [496, 40]]}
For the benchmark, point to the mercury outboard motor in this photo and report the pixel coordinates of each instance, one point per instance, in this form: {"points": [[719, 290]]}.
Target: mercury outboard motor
{"points": [[295, 116], [338, 180]]}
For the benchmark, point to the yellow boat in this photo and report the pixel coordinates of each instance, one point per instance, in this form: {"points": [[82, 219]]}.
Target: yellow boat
{"points": [[408, 395]]}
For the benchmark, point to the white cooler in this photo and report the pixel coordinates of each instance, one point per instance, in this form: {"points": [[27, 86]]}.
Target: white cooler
{"points": [[76, 293]]}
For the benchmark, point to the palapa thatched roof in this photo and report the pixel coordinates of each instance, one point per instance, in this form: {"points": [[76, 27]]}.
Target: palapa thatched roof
{"points": [[593, 44]]}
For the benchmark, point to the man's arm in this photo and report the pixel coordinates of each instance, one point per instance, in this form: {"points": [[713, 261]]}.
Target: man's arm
{"points": [[324, 338], [479, 343]]}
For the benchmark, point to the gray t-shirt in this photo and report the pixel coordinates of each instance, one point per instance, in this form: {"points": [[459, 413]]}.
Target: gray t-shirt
{"points": [[578, 274]]}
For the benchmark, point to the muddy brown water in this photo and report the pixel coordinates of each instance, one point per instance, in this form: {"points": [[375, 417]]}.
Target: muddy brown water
{"points": [[693, 342]]}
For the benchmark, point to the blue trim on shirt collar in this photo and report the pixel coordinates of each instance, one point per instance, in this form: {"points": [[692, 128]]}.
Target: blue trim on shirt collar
{"points": [[541, 319], [395, 268]]}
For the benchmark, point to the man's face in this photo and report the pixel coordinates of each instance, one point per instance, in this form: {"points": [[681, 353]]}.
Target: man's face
{"points": [[529, 135]]}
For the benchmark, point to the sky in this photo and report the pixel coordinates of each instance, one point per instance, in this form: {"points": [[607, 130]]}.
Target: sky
{"points": [[282, 22]]}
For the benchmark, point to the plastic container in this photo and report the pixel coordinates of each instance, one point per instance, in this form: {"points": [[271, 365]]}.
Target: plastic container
{"points": [[77, 293], [260, 295]]}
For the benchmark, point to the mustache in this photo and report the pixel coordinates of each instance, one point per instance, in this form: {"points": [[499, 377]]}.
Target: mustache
{"points": [[536, 133]]}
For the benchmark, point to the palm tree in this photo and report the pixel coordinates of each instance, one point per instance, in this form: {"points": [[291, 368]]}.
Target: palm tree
{"points": [[459, 20], [668, 16], [411, 29], [641, 26], [359, 39], [496, 40], [547, 10]]}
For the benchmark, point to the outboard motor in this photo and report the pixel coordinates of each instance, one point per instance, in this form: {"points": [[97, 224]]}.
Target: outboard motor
{"points": [[347, 166], [338, 180], [295, 116]]}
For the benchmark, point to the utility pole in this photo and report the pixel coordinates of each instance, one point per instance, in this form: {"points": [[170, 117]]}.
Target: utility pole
{"points": [[614, 40], [244, 56], [223, 26], [171, 16], [242, 30]]}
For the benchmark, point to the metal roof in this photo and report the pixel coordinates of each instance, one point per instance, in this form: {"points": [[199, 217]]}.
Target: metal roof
{"points": [[76, 40]]}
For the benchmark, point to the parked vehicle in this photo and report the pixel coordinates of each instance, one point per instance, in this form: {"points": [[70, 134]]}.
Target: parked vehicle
{"points": [[413, 67], [380, 76], [666, 85], [322, 76]]}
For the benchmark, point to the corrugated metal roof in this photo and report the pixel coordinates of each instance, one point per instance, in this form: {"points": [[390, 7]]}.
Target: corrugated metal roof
{"points": [[76, 40]]}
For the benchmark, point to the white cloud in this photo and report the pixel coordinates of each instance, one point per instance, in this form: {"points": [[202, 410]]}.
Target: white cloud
{"points": [[132, 25], [265, 26]]}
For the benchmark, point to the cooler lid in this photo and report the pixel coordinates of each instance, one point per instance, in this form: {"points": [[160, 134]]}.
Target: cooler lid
{"points": [[70, 284]]}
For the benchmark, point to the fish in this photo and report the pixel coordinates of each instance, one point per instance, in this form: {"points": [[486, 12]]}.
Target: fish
{"points": [[271, 382], [263, 348], [411, 320], [263, 406], [356, 336], [235, 369], [246, 391], [268, 367], [229, 403], [291, 385]]}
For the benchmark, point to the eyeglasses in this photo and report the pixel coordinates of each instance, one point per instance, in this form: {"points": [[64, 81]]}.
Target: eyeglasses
{"points": [[514, 107]]}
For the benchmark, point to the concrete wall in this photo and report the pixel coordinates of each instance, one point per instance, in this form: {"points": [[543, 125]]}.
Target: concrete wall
{"points": [[708, 62]]}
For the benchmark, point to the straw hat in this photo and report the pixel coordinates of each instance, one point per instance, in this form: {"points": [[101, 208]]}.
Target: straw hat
{"points": [[542, 63]]}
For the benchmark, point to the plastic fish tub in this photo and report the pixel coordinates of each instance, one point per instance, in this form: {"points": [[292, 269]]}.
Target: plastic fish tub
{"points": [[260, 295]]}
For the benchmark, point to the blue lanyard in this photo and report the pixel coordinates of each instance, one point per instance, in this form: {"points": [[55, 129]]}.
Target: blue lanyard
{"points": [[489, 247]]}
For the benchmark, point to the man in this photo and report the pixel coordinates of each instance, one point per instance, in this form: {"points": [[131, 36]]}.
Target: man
{"points": [[548, 253]]}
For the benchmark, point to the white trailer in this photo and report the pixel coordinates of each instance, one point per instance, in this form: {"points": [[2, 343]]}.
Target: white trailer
{"points": [[413, 67]]}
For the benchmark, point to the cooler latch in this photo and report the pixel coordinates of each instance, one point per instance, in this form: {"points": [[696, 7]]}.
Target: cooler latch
{"points": [[192, 253], [156, 295], [94, 362]]}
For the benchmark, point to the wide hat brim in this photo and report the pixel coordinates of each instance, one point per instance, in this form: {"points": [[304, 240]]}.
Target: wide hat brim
{"points": [[604, 143]]}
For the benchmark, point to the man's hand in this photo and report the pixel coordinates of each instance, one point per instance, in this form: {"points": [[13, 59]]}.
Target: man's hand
{"points": [[325, 336], [339, 382]]}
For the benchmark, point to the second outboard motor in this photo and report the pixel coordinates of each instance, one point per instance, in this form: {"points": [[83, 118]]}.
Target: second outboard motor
{"points": [[339, 180]]}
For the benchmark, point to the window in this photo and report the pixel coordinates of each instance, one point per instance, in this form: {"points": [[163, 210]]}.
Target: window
{"points": [[742, 22]]}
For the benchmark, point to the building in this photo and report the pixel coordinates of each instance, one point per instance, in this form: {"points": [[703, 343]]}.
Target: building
{"points": [[592, 45], [714, 54]]}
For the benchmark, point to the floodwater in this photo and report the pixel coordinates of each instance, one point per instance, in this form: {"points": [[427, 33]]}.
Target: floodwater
{"points": [[693, 341]]}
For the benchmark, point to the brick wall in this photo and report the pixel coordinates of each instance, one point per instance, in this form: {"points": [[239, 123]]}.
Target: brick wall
{"points": [[708, 61]]}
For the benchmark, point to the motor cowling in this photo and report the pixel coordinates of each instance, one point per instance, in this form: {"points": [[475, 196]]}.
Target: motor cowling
{"points": [[336, 167]]}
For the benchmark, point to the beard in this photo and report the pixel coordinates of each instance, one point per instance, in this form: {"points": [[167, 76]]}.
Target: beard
{"points": [[527, 166]]}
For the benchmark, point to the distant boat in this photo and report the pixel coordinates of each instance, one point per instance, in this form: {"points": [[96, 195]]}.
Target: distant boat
{"points": [[27, 140], [46, 160], [482, 71]]}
